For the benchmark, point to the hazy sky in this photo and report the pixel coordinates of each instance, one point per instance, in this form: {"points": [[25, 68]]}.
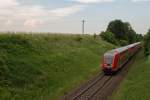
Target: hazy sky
{"points": [[65, 15]]}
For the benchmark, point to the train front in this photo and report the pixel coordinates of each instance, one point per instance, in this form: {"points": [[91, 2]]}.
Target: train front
{"points": [[107, 64]]}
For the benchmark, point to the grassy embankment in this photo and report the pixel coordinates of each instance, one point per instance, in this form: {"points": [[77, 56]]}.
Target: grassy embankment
{"points": [[136, 85], [44, 67]]}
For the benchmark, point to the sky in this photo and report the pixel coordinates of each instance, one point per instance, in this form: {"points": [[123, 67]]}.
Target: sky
{"points": [[65, 16]]}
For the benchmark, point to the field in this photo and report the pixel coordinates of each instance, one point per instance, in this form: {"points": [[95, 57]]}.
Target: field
{"points": [[136, 85], [45, 67]]}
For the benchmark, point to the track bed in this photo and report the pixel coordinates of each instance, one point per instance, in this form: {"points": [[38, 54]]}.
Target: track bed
{"points": [[100, 87]]}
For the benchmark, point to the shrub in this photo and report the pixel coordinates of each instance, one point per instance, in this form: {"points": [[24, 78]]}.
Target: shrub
{"points": [[123, 42], [79, 39], [109, 37], [147, 43]]}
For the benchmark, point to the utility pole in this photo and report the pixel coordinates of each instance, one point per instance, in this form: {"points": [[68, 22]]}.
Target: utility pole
{"points": [[83, 22]]}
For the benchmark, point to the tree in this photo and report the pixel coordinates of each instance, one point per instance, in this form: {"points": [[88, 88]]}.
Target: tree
{"points": [[117, 27], [131, 36], [109, 37], [147, 44], [123, 31], [139, 37]]}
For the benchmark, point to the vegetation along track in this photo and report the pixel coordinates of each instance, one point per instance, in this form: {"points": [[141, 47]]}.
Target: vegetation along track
{"points": [[100, 87]]}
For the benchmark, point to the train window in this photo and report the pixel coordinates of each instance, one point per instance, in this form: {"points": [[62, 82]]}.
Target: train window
{"points": [[108, 59]]}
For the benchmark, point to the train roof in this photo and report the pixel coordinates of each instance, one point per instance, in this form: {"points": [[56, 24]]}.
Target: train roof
{"points": [[121, 49]]}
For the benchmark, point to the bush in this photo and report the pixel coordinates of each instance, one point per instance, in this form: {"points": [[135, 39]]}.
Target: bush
{"points": [[123, 42], [109, 37], [79, 39], [123, 31], [147, 44]]}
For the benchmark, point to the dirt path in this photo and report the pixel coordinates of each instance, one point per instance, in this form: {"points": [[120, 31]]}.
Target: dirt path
{"points": [[100, 87]]}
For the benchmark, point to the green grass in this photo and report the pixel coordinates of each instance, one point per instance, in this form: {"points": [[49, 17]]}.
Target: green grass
{"points": [[45, 67], [136, 85]]}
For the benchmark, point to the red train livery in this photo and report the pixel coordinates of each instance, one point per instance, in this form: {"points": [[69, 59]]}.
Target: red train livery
{"points": [[116, 58]]}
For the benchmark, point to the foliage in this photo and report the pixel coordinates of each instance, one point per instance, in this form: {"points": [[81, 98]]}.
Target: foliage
{"points": [[117, 27], [136, 84], [147, 43], [123, 42], [44, 67], [109, 37], [94, 35], [123, 32], [139, 37]]}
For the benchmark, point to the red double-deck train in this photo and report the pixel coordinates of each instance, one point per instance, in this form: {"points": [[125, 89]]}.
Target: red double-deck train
{"points": [[115, 59]]}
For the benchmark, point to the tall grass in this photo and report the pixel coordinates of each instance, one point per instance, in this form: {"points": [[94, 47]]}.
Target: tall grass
{"points": [[44, 67], [136, 86]]}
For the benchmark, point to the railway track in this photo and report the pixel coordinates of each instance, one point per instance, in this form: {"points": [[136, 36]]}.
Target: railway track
{"points": [[100, 87], [90, 90], [86, 93]]}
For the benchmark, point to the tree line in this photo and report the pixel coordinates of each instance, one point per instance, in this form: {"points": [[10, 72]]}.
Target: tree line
{"points": [[120, 33], [147, 43]]}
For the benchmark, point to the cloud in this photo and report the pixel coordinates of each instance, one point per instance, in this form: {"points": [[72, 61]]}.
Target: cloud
{"points": [[32, 23], [8, 22], [12, 13], [92, 1], [37, 15], [8, 3], [63, 12], [140, 0]]}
